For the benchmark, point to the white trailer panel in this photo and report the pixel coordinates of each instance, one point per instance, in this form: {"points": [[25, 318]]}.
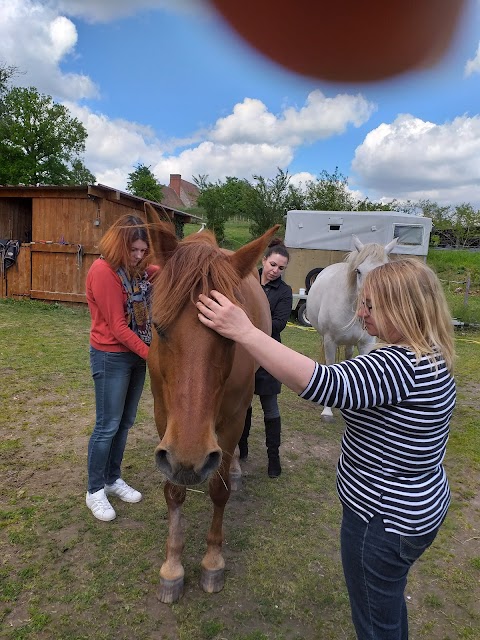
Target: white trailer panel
{"points": [[334, 230]]}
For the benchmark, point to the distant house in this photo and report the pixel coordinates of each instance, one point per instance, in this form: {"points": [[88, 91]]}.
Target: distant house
{"points": [[180, 194], [58, 230]]}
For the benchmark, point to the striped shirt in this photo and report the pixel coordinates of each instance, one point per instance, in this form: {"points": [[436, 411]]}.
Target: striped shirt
{"points": [[397, 415]]}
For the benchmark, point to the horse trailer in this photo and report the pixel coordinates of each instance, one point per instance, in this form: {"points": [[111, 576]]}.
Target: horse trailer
{"points": [[316, 239]]}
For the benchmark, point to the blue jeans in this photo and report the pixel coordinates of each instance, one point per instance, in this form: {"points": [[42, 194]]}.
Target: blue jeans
{"points": [[376, 565], [118, 379]]}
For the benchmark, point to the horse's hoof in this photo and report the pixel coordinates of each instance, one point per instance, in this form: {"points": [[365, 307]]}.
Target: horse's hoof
{"points": [[170, 590], [327, 418], [212, 581], [235, 481]]}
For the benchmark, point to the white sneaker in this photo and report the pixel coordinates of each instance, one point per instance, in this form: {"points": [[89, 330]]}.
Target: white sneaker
{"points": [[100, 506], [122, 490]]}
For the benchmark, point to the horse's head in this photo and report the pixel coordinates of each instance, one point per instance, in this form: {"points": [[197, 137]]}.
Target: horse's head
{"points": [[366, 257], [189, 364]]}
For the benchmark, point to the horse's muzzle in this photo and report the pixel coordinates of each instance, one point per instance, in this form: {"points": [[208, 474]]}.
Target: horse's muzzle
{"points": [[182, 474]]}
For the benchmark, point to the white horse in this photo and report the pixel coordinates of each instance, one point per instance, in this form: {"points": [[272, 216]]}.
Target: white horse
{"points": [[332, 302]]}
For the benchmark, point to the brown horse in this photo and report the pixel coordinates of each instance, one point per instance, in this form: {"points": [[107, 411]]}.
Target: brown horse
{"points": [[202, 384]]}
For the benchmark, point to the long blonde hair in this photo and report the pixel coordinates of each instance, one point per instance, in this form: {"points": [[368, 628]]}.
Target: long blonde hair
{"points": [[407, 294]]}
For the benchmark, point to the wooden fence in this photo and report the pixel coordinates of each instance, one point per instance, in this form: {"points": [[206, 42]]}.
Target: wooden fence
{"points": [[49, 271]]}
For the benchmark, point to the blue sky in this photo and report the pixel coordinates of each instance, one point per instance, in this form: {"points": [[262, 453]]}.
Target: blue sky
{"points": [[164, 83]]}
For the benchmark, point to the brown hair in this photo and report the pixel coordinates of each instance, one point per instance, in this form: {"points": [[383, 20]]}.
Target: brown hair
{"points": [[197, 266], [116, 244], [276, 246], [407, 294]]}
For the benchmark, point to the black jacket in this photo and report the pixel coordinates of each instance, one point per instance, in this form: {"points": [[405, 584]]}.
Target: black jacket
{"points": [[279, 296]]}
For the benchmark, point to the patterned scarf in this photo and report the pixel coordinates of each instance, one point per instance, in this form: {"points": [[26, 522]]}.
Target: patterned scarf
{"points": [[138, 304]]}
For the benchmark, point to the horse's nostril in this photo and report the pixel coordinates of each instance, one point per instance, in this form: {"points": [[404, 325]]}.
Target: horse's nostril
{"points": [[161, 458], [212, 462]]}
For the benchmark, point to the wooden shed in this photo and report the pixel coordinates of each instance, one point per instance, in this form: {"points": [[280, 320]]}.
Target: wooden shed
{"points": [[59, 229]]}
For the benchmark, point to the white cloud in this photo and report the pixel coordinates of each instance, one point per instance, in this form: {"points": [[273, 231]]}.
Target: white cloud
{"points": [[219, 161], [107, 10], [36, 39], [37, 36], [114, 147], [320, 118], [249, 141], [300, 179], [409, 158], [413, 159], [473, 65]]}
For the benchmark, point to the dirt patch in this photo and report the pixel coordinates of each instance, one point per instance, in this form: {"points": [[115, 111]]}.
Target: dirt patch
{"points": [[50, 539]]}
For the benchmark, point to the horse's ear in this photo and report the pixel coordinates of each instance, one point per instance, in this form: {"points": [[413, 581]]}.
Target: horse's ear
{"points": [[357, 243], [163, 240], [246, 258], [390, 245]]}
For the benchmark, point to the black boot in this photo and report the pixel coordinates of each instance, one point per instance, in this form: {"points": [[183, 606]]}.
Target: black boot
{"points": [[243, 443], [272, 440]]}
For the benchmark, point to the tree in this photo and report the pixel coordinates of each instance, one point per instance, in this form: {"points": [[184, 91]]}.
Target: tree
{"points": [[39, 140], [6, 74], [80, 175], [455, 226], [222, 200], [466, 225], [142, 183], [367, 205], [409, 207], [441, 221], [211, 200], [274, 197], [329, 193]]}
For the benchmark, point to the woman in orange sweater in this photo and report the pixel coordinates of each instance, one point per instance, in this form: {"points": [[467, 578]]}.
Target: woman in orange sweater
{"points": [[118, 291]]}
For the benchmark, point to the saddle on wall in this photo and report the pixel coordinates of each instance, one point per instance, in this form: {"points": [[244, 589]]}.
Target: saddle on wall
{"points": [[9, 250]]}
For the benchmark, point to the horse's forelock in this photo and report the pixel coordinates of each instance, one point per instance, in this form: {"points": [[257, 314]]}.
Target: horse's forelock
{"points": [[206, 236], [354, 259], [197, 266]]}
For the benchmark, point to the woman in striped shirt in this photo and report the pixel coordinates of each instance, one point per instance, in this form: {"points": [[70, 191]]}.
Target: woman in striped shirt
{"points": [[397, 402]]}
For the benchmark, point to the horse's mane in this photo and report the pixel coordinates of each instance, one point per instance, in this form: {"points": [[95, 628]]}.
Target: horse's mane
{"points": [[196, 266], [355, 258]]}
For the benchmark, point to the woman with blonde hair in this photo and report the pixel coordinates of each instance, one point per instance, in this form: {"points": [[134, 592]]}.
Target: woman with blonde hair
{"points": [[118, 294], [397, 403]]}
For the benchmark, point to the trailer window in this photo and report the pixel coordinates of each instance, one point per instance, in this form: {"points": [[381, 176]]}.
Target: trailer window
{"points": [[335, 223], [411, 235]]}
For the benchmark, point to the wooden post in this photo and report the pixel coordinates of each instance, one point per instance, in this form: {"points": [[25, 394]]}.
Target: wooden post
{"points": [[467, 291]]}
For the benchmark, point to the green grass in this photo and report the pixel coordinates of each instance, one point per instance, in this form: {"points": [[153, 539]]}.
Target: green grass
{"points": [[453, 267], [455, 263], [236, 233], [66, 576]]}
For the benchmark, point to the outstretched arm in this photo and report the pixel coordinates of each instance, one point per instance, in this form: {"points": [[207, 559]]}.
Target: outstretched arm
{"points": [[292, 368]]}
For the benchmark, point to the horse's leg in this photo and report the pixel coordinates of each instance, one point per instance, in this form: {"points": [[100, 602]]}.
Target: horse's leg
{"points": [[213, 563], [172, 572], [348, 351], [235, 471], [232, 424], [330, 349]]}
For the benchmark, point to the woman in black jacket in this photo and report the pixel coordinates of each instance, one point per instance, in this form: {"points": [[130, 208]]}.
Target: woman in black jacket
{"points": [[279, 295]]}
